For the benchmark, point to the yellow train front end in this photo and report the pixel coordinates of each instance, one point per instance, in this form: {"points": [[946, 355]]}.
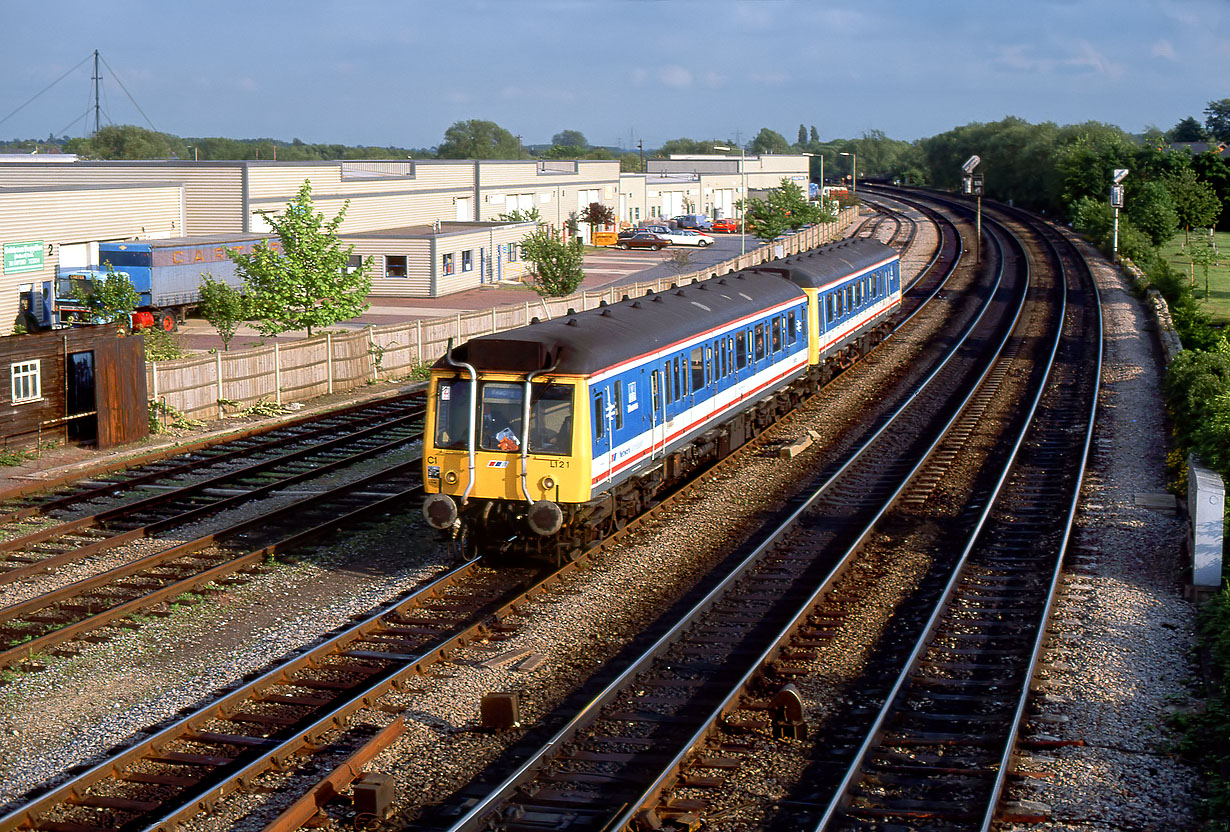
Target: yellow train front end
{"points": [[504, 454]]}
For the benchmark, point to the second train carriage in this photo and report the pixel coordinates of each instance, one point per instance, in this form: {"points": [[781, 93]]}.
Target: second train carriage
{"points": [[543, 438]]}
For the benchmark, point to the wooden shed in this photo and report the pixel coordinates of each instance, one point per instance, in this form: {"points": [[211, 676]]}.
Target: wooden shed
{"points": [[83, 386]]}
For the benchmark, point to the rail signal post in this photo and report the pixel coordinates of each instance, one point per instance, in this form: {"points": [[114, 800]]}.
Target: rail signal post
{"points": [[971, 183], [1116, 202]]}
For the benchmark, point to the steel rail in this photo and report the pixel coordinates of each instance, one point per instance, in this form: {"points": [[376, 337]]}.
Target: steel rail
{"points": [[99, 520], [110, 467], [589, 712], [293, 512]]}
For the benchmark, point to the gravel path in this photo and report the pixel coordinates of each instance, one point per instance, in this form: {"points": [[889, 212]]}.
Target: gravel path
{"points": [[1123, 633]]}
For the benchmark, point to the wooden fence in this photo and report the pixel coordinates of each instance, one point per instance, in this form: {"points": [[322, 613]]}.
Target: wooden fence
{"points": [[201, 386]]}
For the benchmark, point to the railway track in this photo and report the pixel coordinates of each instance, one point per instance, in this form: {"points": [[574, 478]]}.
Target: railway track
{"points": [[593, 773], [83, 797]]}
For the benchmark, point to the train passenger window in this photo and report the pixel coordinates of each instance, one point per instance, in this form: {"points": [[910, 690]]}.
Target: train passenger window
{"points": [[666, 374], [832, 305], [453, 413], [698, 368], [759, 341], [725, 359], [775, 335], [551, 419], [599, 415], [617, 403], [500, 416], [741, 349], [792, 328]]}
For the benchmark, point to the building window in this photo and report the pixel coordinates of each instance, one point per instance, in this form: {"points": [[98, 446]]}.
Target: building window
{"points": [[512, 252], [395, 265], [467, 260], [354, 262], [446, 265], [26, 382]]}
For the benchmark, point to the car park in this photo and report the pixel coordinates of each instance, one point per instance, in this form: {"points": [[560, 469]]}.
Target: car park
{"points": [[696, 222], [686, 237], [726, 225], [643, 239]]}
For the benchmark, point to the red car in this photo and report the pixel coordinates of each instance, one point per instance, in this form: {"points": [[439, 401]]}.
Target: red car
{"points": [[643, 239], [727, 226]]}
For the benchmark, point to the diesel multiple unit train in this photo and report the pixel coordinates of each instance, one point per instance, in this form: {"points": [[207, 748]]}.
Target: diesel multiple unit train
{"points": [[541, 440]]}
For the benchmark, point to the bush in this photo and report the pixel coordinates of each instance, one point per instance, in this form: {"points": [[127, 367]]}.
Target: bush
{"points": [[1207, 735], [161, 345]]}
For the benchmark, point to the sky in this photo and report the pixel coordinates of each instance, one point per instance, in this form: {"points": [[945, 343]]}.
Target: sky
{"points": [[399, 73]]}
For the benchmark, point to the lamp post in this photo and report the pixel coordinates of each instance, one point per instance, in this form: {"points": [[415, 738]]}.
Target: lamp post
{"points": [[742, 202], [853, 172], [640, 145]]}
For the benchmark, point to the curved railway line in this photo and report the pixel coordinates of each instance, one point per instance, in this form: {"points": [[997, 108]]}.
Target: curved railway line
{"points": [[907, 480]]}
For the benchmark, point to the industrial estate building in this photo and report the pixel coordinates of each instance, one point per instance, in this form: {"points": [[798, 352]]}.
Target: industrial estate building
{"points": [[431, 227]]}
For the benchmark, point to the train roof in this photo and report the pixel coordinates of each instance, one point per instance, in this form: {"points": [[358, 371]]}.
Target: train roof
{"points": [[584, 343], [831, 264]]}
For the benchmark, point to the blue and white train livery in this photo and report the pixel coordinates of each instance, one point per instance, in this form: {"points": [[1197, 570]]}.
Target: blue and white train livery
{"points": [[543, 438]]}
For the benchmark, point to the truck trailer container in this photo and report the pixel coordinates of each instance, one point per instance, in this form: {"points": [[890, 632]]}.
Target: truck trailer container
{"points": [[166, 274]]}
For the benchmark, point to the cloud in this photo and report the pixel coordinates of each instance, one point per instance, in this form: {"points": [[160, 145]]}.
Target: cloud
{"points": [[1163, 49], [1082, 58], [676, 76]]}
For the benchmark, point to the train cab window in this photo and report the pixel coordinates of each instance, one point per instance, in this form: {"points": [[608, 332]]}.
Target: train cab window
{"points": [[499, 416], [775, 335], [599, 415], [453, 413], [792, 328], [698, 368], [759, 341], [741, 349], [551, 419]]}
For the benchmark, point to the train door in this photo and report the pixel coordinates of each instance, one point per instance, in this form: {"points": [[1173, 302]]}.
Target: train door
{"points": [[601, 432], [657, 416]]}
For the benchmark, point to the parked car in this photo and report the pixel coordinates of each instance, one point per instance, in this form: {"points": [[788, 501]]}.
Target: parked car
{"points": [[685, 237], [655, 228], [644, 239], [726, 225], [698, 222]]}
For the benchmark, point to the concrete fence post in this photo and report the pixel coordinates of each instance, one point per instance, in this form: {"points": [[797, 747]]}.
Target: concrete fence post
{"points": [[1206, 503]]}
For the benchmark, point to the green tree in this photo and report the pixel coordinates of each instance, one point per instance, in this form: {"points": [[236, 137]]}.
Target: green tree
{"points": [[224, 306], [802, 142], [1195, 201], [570, 138], [475, 139], [630, 163], [124, 141], [783, 208], [1217, 119], [528, 215], [309, 284], [768, 141], [1152, 210], [557, 265], [814, 135], [112, 299], [1188, 130]]}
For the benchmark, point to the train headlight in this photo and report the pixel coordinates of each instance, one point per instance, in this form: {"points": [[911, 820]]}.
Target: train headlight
{"points": [[548, 483], [451, 478]]}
